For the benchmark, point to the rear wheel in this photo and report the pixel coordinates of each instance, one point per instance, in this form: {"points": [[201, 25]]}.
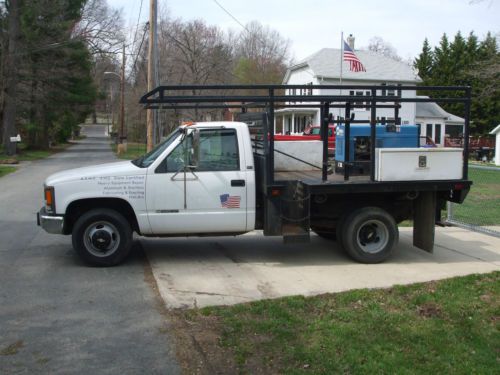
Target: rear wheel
{"points": [[369, 235], [102, 237]]}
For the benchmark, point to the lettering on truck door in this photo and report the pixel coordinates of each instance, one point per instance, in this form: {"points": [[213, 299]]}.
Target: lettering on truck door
{"points": [[215, 192]]}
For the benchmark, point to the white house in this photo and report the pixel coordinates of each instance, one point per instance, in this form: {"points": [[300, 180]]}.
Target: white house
{"points": [[496, 131], [323, 68]]}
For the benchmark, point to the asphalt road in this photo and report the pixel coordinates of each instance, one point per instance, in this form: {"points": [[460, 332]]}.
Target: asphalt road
{"points": [[58, 316]]}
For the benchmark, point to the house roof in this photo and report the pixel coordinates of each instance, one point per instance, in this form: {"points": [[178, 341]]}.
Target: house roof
{"points": [[433, 110], [496, 130], [326, 64]]}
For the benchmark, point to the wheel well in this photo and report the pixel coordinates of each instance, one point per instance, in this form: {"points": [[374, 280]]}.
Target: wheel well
{"points": [[78, 208], [329, 209]]}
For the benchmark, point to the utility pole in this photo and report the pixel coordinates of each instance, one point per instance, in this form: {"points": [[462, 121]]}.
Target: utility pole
{"points": [[122, 99], [152, 36]]}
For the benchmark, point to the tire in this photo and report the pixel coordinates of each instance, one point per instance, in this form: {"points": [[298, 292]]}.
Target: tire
{"points": [[102, 237], [369, 235]]}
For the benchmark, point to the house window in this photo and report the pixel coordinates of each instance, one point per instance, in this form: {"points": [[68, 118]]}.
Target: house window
{"points": [[367, 104], [437, 134], [309, 90], [428, 130], [454, 130], [356, 103], [390, 92]]}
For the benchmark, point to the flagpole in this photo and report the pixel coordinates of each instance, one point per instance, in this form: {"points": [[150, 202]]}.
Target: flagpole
{"points": [[341, 60]]}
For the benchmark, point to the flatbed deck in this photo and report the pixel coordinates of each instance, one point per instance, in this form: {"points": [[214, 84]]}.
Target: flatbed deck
{"points": [[335, 184]]}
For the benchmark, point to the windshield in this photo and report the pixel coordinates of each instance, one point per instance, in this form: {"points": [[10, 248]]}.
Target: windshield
{"points": [[147, 159]]}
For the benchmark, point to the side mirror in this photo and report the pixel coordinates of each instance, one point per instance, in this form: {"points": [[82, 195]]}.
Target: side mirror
{"points": [[195, 149]]}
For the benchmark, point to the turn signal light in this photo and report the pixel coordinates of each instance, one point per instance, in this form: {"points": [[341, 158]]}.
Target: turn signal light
{"points": [[49, 199]]}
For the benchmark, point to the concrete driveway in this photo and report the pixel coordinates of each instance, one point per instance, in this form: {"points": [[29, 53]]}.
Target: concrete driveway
{"points": [[197, 272]]}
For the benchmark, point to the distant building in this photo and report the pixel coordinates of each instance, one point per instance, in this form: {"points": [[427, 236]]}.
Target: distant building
{"points": [[436, 123], [496, 132], [323, 68]]}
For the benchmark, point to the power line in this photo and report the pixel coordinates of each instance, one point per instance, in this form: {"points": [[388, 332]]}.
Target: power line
{"points": [[230, 15], [240, 23], [137, 24], [146, 27]]}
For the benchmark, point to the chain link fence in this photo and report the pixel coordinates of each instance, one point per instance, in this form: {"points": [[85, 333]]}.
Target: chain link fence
{"points": [[481, 210]]}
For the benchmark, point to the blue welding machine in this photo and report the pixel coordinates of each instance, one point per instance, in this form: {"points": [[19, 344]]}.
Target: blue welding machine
{"points": [[387, 136]]}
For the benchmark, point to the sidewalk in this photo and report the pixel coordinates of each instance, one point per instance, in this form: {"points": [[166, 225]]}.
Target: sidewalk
{"points": [[197, 272]]}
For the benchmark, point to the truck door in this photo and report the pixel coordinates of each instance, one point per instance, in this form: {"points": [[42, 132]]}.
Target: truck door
{"points": [[211, 198]]}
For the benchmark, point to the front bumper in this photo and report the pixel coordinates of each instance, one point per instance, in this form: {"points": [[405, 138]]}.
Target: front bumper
{"points": [[50, 223]]}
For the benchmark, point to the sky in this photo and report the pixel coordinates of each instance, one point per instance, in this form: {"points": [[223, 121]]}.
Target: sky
{"points": [[314, 24]]}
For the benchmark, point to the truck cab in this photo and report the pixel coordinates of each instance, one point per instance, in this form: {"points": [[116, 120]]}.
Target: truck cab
{"points": [[199, 180]]}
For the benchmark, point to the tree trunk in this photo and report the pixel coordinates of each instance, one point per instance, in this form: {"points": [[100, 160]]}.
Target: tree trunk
{"points": [[10, 79], [32, 134]]}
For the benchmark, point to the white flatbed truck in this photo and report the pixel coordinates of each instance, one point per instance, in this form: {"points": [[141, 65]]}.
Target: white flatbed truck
{"points": [[218, 179]]}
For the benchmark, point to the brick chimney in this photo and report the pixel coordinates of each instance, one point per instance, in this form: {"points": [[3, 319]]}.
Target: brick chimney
{"points": [[350, 41]]}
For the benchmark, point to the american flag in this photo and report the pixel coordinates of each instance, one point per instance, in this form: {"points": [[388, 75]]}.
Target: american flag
{"points": [[230, 201], [354, 63]]}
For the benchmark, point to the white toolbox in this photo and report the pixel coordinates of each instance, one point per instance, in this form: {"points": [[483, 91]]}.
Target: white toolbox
{"points": [[408, 164]]}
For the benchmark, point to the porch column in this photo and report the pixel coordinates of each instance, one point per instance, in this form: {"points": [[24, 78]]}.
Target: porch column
{"points": [[292, 128]]}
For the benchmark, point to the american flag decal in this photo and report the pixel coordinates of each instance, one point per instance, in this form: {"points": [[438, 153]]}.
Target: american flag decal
{"points": [[230, 201]]}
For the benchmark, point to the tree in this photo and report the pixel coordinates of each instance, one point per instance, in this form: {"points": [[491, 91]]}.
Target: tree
{"points": [[381, 47], [465, 61], [54, 86], [100, 27], [424, 62], [261, 56], [10, 75]]}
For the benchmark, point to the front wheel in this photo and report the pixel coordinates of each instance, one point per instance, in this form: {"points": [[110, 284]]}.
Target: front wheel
{"points": [[369, 235], [102, 237]]}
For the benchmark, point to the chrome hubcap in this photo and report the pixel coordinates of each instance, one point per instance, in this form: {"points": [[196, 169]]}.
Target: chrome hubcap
{"points": [[372, 236], [101, 238]]}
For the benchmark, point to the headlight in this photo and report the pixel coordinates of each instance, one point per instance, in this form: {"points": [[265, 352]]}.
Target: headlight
{"points": [[50, 202]]}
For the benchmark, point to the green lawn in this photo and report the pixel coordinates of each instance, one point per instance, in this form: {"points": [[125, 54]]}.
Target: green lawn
{"points": [[134, 150], [25, 154], [445, 327], [482, 205], [6, 170]]}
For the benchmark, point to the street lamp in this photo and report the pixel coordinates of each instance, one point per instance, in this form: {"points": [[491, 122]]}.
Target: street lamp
{"points": [[122, 100]]}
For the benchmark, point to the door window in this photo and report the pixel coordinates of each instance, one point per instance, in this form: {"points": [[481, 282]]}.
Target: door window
{"points": [[218, 152]]}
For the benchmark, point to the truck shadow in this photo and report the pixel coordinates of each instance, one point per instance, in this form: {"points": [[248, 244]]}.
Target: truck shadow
{"points": [[258, 249]]}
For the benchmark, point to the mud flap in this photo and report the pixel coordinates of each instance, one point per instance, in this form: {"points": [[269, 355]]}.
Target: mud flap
{"points": [[424, 208]]}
